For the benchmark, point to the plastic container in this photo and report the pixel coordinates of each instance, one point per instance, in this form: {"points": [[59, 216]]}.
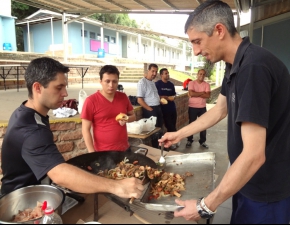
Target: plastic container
{"points": [[101, 53], [82, 97], [50, 217], [7, 47]]}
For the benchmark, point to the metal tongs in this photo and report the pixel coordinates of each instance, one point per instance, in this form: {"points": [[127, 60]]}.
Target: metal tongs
{"points": [[162, 159]]}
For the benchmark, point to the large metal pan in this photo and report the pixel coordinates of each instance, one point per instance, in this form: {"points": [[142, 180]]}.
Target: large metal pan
{"points": [[97, 161]]}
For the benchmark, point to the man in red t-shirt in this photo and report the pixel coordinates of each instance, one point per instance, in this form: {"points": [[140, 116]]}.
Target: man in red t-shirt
{"points": [[198, 92], [99, 112]]}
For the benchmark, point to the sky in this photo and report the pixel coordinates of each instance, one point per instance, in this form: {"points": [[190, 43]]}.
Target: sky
{"points": [[164, 23], [170, 23]]}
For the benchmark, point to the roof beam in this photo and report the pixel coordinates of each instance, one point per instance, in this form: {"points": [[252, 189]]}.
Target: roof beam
{"points": [[39, 6], [75, 19], [115, 3], [71, 3], [264, 3], [170, 4], [92, 3], [144, 5], [187, 12]]}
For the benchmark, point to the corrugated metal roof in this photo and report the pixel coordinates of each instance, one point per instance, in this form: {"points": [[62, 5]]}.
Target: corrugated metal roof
{"points": [[261, 9]]}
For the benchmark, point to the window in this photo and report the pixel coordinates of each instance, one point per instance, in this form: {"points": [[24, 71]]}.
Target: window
{"points": [[107, 38], [92, 35], [98, 37], [113, 40], [85, 33]]}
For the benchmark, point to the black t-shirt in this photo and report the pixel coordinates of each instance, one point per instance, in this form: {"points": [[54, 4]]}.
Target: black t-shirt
{"points": [[28, 150], [166, 89], [257, 88]]}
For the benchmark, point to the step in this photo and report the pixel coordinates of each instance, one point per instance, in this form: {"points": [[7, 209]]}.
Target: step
{"points": [[12, 86], [129, 80], [135, 69], [12, 82], [131, 76], [132, 71]]}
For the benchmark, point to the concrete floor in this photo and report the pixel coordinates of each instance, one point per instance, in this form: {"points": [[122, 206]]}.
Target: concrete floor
{"points": [[216, 139]]}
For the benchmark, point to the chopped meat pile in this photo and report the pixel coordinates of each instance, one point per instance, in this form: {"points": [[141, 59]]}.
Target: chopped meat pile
{"points": [[163, 183], [29, 214], [123, 170], [168, 184]]}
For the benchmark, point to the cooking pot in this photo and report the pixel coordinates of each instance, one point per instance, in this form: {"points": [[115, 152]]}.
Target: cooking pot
{"points": [[27, 197]]}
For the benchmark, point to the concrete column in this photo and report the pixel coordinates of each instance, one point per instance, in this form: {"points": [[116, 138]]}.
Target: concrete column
{"points": [[152, 50], [28, 37], [117, 44], [217, 77], [83, 38], [52, 35], [139, 47], [1, 33], [102, 37], [64, 37]]}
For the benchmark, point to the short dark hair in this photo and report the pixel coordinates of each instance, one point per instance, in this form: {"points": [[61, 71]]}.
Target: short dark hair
{"points": [[42, 70], [200, 70], [162, 70], [152, 65], [110, 69], [208, 14]]}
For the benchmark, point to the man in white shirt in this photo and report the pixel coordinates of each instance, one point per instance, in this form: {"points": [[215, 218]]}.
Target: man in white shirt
{"points": [[148, 97]]}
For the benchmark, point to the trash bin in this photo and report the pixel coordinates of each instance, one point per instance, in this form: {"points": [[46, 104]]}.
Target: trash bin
{"points": [[7, 47], [101, 53]]}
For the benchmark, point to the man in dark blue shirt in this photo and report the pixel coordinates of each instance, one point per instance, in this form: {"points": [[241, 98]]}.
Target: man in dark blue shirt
{"points": [[166, 90], [255, 97]]}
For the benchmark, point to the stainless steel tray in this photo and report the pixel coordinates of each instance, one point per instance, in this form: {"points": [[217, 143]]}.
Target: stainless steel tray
{"points": [[202, 165]]}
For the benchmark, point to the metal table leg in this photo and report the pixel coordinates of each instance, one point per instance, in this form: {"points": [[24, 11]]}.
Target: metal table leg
{"points": [[96, 207]]}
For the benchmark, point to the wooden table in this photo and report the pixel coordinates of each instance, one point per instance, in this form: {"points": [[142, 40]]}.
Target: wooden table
{"points": [[4, 75], [83, 68], [143, 137]]}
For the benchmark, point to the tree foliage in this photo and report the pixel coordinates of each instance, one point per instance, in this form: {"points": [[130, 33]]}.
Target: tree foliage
{"points": [[21, 11], [120, 19], [124, 20]]}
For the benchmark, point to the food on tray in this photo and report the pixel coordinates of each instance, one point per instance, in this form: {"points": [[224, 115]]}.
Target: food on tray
{"points": [[171, 98], [29, 214], [122, 116], [163, 183], [163, 101], [123, 170], [168, 184]]}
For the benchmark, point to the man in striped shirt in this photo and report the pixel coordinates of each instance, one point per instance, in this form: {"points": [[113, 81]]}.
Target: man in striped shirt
{"points": [[148, 97]]}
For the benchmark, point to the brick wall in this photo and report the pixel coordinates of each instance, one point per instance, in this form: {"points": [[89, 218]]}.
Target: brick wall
{"points": [[67, 132]]}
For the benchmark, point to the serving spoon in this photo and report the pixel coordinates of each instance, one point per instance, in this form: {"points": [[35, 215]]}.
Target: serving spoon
{"points": [[162, 159]]}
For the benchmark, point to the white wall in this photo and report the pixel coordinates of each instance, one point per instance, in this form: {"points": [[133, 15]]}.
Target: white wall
{"points": [[5, 8]]}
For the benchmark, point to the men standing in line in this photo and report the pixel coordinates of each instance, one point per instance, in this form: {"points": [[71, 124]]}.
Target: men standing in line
{"points": [[148, 97], [198, 92], [166, 90]]}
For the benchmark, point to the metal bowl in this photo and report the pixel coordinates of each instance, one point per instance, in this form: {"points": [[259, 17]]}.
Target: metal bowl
{"points": [[28, 197]]}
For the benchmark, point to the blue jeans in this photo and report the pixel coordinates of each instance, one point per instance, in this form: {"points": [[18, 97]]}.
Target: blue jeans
{"points": [[246, 211]]}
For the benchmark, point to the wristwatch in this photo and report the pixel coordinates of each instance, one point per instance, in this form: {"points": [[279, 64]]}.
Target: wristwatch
{"points": [[202, 210]]}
